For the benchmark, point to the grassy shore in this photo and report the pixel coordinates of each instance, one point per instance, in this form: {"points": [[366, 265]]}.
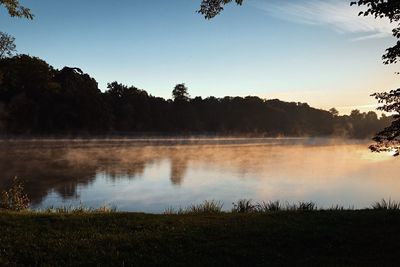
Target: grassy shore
{"points": [[366, 237]]}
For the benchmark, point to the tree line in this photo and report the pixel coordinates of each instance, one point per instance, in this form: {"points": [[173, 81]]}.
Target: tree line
{"points": [[37, 99]]}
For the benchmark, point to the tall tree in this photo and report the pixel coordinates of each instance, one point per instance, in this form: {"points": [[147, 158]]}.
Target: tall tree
{"points": [[180, 93], [15, 9], [7, 45], [389, 138]]}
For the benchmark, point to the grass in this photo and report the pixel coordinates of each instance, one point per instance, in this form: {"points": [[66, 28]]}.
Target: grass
{"points": [[247, 206], [335, 238], [207, 207], [271, 206], [253, 234], [243, 206], [386, 205], [82, 209]]}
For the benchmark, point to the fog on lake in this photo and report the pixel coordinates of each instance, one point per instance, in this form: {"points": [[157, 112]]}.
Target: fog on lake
{"points": [[151, 175]]}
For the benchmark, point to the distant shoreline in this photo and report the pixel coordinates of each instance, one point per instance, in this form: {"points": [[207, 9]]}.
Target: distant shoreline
{"points": [[176, 140], [167, 137]]}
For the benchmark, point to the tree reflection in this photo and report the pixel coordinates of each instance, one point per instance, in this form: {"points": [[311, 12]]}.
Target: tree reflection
{"points": [[63, 168], [178, 169]]}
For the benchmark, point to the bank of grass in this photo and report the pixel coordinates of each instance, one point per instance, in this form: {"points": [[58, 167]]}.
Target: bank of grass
{"points": [[251, 234], [330, 237]]}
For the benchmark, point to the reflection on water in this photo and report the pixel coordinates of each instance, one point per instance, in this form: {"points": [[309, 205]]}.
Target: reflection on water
{"points": [[149, 175]]}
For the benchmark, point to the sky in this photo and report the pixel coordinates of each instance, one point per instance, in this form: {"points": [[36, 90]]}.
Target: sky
{"points": [[314, 51]]}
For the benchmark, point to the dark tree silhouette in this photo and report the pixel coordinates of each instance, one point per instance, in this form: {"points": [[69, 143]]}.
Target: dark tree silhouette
{"points": [[211, 8], [7, 45], [388, 139], [180, 93], [334, 112], [15, 9], [36, 99]]}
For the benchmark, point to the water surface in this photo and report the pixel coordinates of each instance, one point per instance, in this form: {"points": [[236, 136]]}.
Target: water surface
{"points": [[152, 174]]}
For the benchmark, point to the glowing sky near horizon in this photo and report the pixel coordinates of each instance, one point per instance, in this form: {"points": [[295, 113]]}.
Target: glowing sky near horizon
{"points": [[313, 51]]}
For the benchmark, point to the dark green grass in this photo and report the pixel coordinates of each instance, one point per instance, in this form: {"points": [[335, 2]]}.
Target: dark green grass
{"points": [[319, 238]]}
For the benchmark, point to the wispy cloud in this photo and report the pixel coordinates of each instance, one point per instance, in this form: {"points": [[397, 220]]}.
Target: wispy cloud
{"points": [[336, 14]]}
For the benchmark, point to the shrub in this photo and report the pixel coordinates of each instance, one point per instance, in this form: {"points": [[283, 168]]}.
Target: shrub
{"points": [[14, 198]]}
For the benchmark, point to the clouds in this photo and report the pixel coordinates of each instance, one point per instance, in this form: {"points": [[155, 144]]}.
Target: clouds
{"points": [[335, 14]]}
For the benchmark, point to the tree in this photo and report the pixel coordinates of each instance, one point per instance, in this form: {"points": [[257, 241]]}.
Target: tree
{"points": [[388, 139], [15, 9], [385, 9], [180, 93], [211, 8], [7, 45], [334, 112]]}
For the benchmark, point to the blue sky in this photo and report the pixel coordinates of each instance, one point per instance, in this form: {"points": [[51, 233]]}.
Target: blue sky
{"points": [[311, 51]]}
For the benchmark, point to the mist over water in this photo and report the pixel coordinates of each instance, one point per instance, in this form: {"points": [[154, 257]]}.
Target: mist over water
{"points": [[152, 174]]}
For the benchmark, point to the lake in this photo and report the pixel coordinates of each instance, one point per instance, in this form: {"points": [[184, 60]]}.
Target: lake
{"points": [[151, 175]]}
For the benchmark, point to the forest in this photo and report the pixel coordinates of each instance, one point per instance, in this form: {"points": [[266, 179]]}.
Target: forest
{"points": [[37, 99]]}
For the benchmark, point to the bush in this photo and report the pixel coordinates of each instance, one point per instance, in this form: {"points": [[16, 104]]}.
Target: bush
{"points": [[14, 198]]}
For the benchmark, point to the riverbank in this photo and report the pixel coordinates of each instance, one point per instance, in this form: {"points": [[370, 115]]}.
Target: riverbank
{"points": [[338, 237]]}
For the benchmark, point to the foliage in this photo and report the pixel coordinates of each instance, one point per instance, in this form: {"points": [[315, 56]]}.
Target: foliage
{"points": [[243, 206], [207, 207], [14, 198], [302, 206], [7, 45], [269, 206], [79, 209], [381, 9], [334, 112], [386, 205], [15, 9], [36, 99], [211, 8], [247, 206], [180, 93], [388, 138]]}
